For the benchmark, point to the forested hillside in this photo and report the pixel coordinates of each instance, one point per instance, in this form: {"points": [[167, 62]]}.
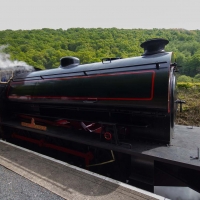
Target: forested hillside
{"points": [[44, 48]]}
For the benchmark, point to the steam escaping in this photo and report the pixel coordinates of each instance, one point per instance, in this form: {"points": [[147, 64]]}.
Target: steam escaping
{"points": [[16, 66]]}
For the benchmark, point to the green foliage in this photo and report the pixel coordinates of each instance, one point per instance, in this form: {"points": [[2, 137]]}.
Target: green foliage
{"points": [[44, 48], [188, 85], [184, 78], [197, 77], [191, 108]]}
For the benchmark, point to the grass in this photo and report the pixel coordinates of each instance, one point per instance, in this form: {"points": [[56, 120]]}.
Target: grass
{"points": [[191, 109]]}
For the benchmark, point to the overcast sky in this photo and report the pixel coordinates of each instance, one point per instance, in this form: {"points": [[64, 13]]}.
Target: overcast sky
{"points": [[128, 14]]}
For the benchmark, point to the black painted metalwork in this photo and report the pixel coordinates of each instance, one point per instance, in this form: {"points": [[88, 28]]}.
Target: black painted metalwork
{"points": [[138, 92]]}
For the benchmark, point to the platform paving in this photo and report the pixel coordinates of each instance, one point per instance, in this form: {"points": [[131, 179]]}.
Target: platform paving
{"points": [[29, 175], [16, 187]]}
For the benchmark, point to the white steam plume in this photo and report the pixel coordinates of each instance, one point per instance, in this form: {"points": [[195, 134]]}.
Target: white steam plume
{"points": [[7, 64]]}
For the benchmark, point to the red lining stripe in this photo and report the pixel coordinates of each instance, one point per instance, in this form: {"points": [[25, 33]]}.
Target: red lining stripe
{"points": [[75, 98], [89, 76], [28, 97]]}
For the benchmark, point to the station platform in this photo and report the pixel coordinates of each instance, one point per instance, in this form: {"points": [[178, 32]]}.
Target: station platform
{"points": [[27, 174]]}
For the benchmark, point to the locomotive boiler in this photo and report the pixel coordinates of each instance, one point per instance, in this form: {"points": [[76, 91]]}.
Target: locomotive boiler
{"points": [[122, 99]]}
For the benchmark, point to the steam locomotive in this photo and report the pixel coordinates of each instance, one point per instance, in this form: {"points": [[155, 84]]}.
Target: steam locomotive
{"points": [[121, 99]]}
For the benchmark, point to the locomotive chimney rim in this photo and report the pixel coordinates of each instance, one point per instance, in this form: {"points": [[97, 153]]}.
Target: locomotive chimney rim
{"points": [[154, 46]]}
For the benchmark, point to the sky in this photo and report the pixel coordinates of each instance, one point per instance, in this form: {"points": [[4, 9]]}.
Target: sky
{"points": [[127, 14]]}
